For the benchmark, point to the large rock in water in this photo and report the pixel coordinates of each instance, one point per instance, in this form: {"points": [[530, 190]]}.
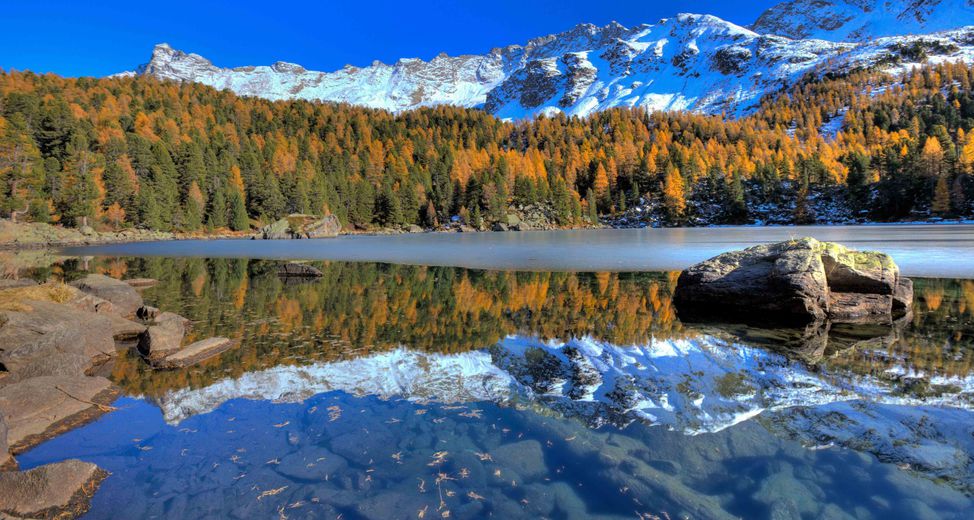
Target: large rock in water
{"points": [[123, 296], [800, 281], [302, 226]]}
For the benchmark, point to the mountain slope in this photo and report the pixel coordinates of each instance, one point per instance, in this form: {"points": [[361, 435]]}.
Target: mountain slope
{"points": [[862, 20]]}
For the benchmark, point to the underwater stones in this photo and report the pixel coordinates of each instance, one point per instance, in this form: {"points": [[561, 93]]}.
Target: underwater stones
{"points": [[299, 270], [313, 463], [798, 281], [59, 490], [193, 353], [125, 299], [524, 458]]}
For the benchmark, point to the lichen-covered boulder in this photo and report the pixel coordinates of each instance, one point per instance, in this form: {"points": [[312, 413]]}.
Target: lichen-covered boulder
{"points": [[799, 280]]}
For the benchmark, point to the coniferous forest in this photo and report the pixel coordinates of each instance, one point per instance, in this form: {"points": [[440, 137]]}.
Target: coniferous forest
{"points": [[123, 152]]}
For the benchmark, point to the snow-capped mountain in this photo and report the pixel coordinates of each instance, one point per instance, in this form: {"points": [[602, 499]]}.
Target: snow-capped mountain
{"points": [[688, 62], [861, 20]]}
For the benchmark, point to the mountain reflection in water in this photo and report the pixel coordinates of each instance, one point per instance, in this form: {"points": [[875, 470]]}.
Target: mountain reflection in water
{"points": [[390, 391]]}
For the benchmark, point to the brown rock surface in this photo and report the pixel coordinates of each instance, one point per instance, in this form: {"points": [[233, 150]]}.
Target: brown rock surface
{"points": [[38, 408], [125, 299], [59, 490], [43, 331]]}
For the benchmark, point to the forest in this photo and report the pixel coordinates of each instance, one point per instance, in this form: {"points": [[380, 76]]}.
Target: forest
{"points": [[126, 152]]}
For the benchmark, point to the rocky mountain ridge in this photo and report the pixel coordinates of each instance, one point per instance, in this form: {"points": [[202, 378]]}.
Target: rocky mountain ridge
{"points": [[689, 62]]}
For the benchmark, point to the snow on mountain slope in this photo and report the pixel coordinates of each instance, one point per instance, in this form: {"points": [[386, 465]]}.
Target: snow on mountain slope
{"points": [[689, 62], [862, 20]]}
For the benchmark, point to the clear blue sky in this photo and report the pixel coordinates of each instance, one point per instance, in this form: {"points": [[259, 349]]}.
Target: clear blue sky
{"points": [[76, 38]]}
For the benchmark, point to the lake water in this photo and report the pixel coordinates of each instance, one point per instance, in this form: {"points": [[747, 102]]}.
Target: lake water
{"points": [[419, 391], [920, 250]]}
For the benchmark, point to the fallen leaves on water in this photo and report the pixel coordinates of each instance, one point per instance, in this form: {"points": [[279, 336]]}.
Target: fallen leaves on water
{"points": [[438, 458], [270, 492], [334, 413], [484, 457], [473, 414]]}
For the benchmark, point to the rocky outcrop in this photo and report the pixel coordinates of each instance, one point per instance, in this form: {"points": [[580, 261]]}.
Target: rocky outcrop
{"points": [[301, 226], [4, 449], [39, 408], [798, 281], [60, 490], [47, 338], [125, 299]]}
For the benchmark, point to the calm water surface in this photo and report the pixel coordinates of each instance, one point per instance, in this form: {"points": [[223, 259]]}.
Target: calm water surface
{"points": [[398, 391], [920, 250]]}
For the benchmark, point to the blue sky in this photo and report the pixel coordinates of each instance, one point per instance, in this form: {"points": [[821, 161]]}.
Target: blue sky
{"points": [[75, 38]]}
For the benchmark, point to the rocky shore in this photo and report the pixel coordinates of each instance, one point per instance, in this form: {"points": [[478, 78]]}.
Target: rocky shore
{"points": [[55, 341]]}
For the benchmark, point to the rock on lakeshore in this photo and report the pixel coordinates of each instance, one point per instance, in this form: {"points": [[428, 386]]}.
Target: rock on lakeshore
{"points": [[60, 490], [800, 281], [123, 296], [301, 226]]}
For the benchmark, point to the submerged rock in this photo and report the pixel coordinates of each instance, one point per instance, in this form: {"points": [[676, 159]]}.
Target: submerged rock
{"points": [[125, 299], [194, 353], [60, 490], [799, 281]]}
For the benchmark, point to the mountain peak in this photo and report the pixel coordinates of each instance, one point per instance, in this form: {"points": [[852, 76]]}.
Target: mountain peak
{"points": [[863, 20]]}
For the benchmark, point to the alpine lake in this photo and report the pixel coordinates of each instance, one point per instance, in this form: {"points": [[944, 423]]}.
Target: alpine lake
{"points": [[561, 385]]}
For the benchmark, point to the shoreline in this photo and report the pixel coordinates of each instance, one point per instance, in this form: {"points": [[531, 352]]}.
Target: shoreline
{"points": [[139, 236]]}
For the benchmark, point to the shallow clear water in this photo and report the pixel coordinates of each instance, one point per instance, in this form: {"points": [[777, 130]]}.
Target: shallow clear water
{"points": [[396, 391], [920, 250]]}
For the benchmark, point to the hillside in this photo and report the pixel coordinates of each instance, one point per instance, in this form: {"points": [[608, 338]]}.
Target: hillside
{"points": [[124, 152]]}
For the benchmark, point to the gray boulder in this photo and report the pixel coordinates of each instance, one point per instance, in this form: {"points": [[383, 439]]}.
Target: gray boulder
{"points": [[163, 337], [800, 281], [59, 490], [123, 296]]}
